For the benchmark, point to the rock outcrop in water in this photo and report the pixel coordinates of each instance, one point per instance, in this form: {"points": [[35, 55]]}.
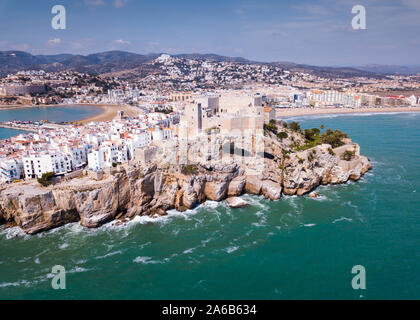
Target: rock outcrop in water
{"points": [[152, 190]]}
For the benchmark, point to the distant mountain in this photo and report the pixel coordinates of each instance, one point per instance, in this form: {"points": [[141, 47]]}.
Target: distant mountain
{"points": [[105, 62], [116, 61], [212, 57], [327, 72], [13, 61], [391, 69], [17, 59], [124, 59], [58, 58], [111, 61]]}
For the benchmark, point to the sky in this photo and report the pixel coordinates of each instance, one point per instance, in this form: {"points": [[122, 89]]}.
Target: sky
{"points": [[316, 32]]}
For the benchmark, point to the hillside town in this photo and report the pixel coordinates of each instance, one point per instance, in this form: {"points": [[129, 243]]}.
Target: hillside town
{"points": [[63, 149], [173, 75], [181, 110]]}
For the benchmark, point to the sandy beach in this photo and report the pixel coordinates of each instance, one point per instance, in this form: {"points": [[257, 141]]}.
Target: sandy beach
{"points": [[293, 112], [109, 113]]}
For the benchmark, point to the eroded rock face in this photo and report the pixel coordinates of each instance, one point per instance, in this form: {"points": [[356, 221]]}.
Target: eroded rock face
{"points": [[236, 186], [235, 202], [155, 189], [271, 190], [253, 185], [34, 210], [314, 195], [216, 190]]}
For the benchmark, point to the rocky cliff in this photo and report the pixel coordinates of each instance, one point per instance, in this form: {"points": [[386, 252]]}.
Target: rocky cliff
{"points": [[152, 190]]}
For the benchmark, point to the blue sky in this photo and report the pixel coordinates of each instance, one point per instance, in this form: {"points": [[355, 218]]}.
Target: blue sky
{"points": [[314, 32]]}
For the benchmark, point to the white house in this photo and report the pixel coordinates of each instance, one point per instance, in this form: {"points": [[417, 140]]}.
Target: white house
{"points": [[107, 154], [162, 133], [96, 159], [37, 164], [136, 141], [10, 169], [76, 154]]}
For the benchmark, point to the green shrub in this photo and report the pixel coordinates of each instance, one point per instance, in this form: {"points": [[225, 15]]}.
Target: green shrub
{"points": [[311, 157], [313, 138], [285, 153], [312, 134], [333, 138], [282, 135], [294, 126], [270, 127], [189, 169], [348, 155], [215, 129], [165, 111], [295, 145], [45, 179], [331, 151]]}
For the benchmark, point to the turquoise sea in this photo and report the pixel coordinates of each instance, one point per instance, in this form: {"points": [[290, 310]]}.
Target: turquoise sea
{"points": [[7, 133], [294, 248], [54, 114]]}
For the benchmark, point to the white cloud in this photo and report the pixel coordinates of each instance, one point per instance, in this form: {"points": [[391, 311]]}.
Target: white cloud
{"points": [[54, 41], [239, 11], [82, 44], [119, 3], [117, 44], [413, 4], [6, 45], [152, 46], [122, 42], [94, 2], [115, 3], [316, 10]]}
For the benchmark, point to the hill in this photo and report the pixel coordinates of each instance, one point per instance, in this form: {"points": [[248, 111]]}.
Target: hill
{"points": [[141, 65]]}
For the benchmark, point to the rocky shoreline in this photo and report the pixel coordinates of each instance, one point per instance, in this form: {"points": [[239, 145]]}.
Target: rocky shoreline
{"points": [[128, 191]]}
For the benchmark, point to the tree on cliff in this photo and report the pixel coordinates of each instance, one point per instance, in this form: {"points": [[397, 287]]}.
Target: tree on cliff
{"points": [[282, 135], [333, 138], [45, 179], [312, 134]]}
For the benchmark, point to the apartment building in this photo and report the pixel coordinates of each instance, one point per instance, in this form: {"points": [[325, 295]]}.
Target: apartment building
{"points": [[10, 169], [36, 164], [21, 89], [230, 112], [136, 141], [106, 155]]}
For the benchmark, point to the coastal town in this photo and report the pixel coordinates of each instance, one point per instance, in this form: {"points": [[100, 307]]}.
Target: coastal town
{"points": [[67, 148], [182, 107], [217, 157], [182, 77], [218, 147]]}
